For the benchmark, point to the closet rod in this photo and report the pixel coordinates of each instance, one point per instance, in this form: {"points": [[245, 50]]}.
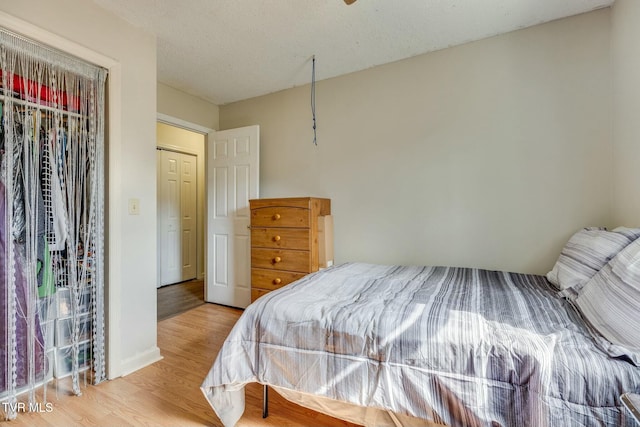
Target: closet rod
{"points": [[40, 106]]}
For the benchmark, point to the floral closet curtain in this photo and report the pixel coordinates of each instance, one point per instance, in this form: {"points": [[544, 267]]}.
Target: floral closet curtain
{"points": [[51, 222]]}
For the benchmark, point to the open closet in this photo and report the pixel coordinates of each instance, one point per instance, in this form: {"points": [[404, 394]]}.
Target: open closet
{"points": [[52, 328]]}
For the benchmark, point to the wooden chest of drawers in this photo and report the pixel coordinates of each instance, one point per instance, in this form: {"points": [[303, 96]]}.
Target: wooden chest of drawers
{"points": [[284, 241]]}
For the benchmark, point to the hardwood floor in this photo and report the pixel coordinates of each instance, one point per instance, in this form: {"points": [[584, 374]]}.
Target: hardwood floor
{"points": [[180, 297], [167, 393]]}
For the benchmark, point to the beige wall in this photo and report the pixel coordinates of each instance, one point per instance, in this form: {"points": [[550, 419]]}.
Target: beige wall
{"points": [[489, 154], [82, 26], [184, 141], [191, 109], [626, 122]]}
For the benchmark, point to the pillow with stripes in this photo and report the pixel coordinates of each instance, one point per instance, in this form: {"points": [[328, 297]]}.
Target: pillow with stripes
{"points": [[610, 301], [586, 252], [631, 233]]}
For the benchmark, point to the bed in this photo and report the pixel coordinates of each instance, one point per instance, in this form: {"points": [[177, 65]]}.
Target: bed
{"points": [[412, 345]]}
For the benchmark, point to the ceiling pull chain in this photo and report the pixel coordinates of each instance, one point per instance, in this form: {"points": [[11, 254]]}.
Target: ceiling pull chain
{"points": [[313, 98]]}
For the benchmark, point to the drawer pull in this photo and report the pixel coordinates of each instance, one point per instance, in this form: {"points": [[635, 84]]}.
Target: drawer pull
{"points": [[276, 217], [276, 238], [277, 260], [277, 281]]}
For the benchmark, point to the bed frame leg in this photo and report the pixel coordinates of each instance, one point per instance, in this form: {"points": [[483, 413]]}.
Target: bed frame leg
{"points": [[265, 401]]}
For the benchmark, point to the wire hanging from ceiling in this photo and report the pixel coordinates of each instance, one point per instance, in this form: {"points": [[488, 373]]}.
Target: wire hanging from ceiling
{"points": [[313, 98]]}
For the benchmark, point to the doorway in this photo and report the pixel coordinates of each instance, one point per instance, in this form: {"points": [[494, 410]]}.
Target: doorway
{"points": [[231, 160], [181, 214]]}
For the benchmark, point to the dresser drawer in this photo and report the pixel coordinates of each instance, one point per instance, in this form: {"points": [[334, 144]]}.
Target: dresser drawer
{"points": [[281, 259], [273, 279], [257, 293], [280, 217], [285, 238]]}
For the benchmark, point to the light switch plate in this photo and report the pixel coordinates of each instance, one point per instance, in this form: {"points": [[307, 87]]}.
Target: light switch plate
{"points": [[134, 206]]}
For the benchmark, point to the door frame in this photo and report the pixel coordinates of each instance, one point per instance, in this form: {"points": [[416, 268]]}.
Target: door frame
{"points": [[202, 130]]}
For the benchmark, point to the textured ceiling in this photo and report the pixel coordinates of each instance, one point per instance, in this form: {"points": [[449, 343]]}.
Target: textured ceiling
{"points": [[229, 50]]}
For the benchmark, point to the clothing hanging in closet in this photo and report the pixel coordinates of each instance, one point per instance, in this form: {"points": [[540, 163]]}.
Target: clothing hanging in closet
{"points": [[51, 220]]}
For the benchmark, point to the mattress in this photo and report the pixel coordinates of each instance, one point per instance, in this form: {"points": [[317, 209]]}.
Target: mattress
{"points": [[454, 346]]}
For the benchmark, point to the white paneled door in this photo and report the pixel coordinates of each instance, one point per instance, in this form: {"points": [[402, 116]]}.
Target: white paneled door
{"points": [[232, 179], [177, 215]]}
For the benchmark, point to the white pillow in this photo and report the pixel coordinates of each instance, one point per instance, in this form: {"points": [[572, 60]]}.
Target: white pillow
{"points": [[586, 252], [610, 301], [631, 233]]}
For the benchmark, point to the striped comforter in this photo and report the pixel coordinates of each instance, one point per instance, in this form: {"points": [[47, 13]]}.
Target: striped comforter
{"points": [[458, 346]]}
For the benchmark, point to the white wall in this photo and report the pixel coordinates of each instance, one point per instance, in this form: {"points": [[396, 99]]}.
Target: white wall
{"points": [[131, 242], [184, 141], [490, 154], [626, 123]]}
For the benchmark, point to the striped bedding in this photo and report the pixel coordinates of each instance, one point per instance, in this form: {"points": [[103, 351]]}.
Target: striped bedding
{"points": [[458, 346]]}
